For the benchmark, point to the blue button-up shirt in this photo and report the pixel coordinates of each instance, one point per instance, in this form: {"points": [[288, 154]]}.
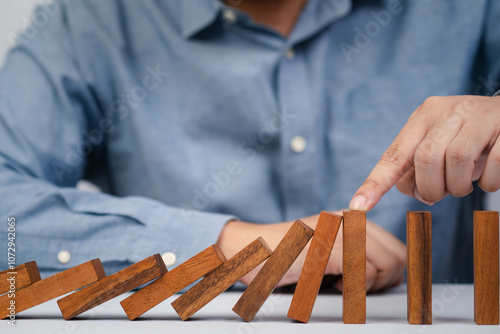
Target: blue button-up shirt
{"points": [[187, 114]]}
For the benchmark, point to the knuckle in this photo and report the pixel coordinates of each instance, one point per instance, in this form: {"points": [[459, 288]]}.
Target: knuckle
{"points": [[432, 101], [426, 155], [394, 156], [372, 184], [458, 154]]}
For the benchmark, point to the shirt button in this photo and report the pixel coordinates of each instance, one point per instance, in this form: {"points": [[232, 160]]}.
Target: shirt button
{"points": [[169, 258], [298, 144], [229, 16], [64, 256], [289, 54]]}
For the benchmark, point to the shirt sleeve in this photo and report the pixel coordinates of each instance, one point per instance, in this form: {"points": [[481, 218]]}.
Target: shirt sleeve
{"points": [[46, 106]]}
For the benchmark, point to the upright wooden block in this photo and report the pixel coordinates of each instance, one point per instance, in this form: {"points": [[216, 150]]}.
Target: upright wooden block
{"points": [[173, 281], [486, 264], [354, 267], [19, 277], [52, 287], [419, 271], [112, 286], [222, 278], [314, 266], [273, 270]]}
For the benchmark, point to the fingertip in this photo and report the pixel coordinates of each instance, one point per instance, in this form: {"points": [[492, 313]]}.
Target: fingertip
{"points": [[359, 202], [417, 195]]}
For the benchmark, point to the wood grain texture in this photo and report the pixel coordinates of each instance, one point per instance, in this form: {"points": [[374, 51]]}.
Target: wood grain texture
{"points": [[53, 286], [354, 268], [273, 270], [419, 271], [314, 267], [222, 278], [20, 276], [173, 281], [112, 286], [486, 268]]}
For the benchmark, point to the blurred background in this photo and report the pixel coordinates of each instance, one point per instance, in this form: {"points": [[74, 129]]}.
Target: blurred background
{"points": [[15, 16]]}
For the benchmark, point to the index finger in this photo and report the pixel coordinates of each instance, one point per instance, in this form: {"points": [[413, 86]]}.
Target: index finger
{"points": [[391, 167]]}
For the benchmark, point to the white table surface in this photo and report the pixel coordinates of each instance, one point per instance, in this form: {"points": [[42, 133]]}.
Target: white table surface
{"points": [[453, 312]]}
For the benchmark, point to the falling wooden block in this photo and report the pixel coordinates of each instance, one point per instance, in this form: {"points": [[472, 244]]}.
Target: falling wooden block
{"points": [[419, 271], [273, 270], [314, 266], [354, 267], [486, 268], [52, 287], [19, 277], [222, 278], [112, 286], [173, 281]]}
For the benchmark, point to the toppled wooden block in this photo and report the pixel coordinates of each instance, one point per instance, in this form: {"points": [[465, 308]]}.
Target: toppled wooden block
{"points": [[314, 267], [173, 281], [222, 278], [51, 287], [273, 270], [19, 277], [112, 286]]}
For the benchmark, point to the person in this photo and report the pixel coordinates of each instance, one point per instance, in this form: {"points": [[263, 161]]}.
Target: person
{"points": [[205, 122]]}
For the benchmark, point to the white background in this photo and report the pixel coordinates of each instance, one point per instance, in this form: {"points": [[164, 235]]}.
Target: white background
{"points": [[15, 13]]}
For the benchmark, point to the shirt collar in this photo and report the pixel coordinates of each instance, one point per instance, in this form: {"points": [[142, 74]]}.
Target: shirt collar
{"points": [[197, 15], [317, 15]]}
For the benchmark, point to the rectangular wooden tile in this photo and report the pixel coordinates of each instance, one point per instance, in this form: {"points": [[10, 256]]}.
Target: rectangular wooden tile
{"points": [[112, 286], [314, 267], [419, 271], [354, 267], [52, 287], [486, 268], [222, 278], [173, 281], [19, 277], [273, 270]]}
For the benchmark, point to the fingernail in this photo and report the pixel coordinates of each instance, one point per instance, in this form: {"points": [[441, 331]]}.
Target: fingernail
{"points": [[417, 196], [358, 203]]}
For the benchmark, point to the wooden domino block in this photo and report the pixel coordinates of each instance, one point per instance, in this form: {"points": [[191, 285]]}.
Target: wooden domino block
{"points": [[273, 270], [52, 287], [419, 271], [314, 266], [173, 281], [354, 267], [486, 268], [112, 286], [19, 277], [222, 278]]}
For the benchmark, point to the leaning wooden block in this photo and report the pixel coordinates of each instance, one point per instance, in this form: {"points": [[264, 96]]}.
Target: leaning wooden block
{"points": [[19, 277], [173, 281], [112, 286], [354, 267], [51, 287], [486, 268], [273, 270], [221, 278], [419, 271], [314, 266]]}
